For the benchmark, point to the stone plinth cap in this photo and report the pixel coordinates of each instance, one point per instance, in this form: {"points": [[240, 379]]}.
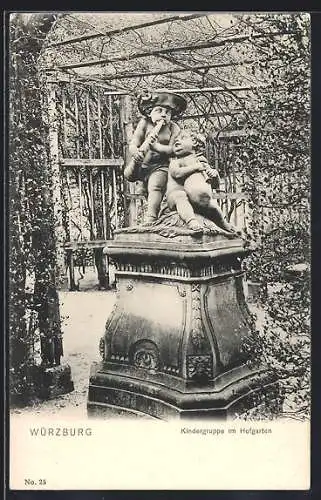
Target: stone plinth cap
{"points": [[170, 238], [181, 248]]}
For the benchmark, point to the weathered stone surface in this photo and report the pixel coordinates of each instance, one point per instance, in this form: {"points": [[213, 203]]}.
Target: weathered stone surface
{"points": [[54, 381], [170, 225], [173, 343]]}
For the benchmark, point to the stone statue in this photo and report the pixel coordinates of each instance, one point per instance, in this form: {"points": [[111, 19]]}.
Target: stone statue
{"points": [[168, 160], [187, 186], [152, 145], [173, 344]]}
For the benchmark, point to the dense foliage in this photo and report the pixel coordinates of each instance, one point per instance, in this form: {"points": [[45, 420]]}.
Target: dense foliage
{"points": [[276, 159], [33, 300]]}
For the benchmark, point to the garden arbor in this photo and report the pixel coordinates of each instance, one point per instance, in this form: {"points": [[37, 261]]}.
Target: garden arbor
{"points": [[95, 66]]}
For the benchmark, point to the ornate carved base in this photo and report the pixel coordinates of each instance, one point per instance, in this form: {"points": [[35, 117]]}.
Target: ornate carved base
{"points": [[173, 343], [135, 393]]}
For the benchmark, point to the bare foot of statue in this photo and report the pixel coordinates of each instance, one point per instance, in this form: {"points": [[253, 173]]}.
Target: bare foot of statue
{"points": [[195, 226]]}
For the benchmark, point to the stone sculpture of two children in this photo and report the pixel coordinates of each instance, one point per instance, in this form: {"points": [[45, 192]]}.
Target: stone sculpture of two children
{"points": [[169, 161]]}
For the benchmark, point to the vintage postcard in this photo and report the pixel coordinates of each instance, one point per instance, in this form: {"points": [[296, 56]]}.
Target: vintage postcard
{"points": [[159, 250]]}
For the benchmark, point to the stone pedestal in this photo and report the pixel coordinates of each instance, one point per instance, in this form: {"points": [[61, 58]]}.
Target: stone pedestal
{"points": [[173, 343]]}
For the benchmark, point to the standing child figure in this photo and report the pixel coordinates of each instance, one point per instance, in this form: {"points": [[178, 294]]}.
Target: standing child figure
{"points": [[187, 187], [152, 146]]}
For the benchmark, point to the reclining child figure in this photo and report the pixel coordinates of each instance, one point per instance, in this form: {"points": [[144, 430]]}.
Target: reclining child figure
{"points": [[188, 188]]}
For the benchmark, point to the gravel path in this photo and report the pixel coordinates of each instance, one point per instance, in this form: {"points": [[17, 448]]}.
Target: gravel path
{"points": [[84, 315]]}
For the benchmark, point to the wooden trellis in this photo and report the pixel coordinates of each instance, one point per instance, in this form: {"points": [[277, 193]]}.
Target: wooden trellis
{"points": [[87, 144]]}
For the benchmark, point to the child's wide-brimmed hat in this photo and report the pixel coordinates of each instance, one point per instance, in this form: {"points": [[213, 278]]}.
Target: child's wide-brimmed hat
{"points": [[176, 103]]}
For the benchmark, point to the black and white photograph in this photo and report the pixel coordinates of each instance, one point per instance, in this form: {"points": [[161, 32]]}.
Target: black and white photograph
{"points": [[159, 173]]}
